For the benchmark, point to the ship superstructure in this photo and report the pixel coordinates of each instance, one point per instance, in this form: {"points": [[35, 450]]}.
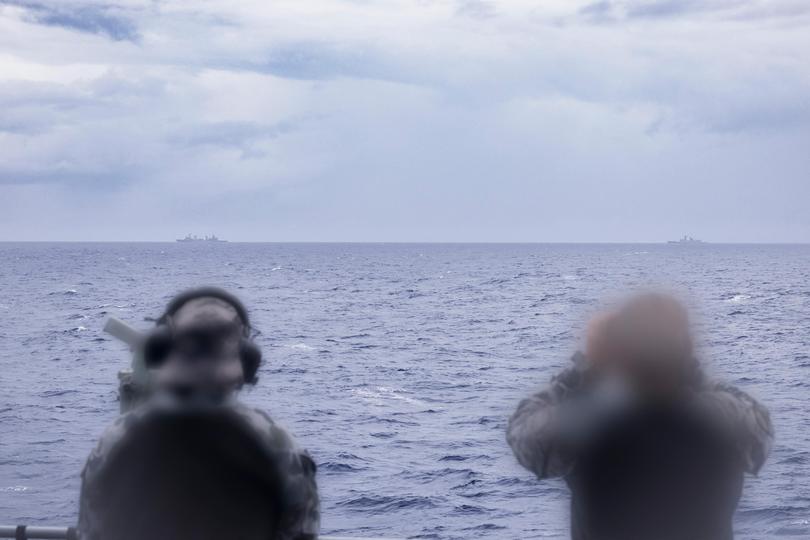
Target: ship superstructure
{"points": [[686, 240], [195, 238]]}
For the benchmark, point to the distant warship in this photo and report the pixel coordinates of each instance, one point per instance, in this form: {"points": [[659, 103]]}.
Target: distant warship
{"points": [[686, 240], [195, 238]]}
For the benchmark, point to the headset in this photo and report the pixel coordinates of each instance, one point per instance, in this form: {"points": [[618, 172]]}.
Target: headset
{"points": [[159, 343]]}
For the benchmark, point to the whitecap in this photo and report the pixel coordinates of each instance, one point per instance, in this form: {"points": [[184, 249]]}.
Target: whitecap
{"points": [[367, 395], [381, 394], [737, 298], [302, 347], [15, 489]]}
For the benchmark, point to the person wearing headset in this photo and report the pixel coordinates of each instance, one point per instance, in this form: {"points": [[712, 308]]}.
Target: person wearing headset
{"points": [[192, 461]]}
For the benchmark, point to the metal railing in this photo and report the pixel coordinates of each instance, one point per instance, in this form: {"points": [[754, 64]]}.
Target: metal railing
{"points": [[33, 532]]}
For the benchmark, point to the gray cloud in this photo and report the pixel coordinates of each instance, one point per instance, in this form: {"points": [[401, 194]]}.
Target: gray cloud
{"points": [[670, 8], [59, 176], [247, 137], [90, 17], [600, 11], [235, 134], [478, 9], [322, 60], [20, 94], [612, 11], [406, 121]]}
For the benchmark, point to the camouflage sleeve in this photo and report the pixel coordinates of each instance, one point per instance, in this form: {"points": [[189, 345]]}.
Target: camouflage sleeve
{"points": [[301, 518], [90, 497], [88, 527], [747, 420], [534, 430]]}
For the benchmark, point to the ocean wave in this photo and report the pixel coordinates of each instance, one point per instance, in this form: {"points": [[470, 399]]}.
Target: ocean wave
{"points": [[332, 466], [14, 489], [454, 458], [56, 393], [383, 394], [383, 504], [301, 347], [67, 292]]}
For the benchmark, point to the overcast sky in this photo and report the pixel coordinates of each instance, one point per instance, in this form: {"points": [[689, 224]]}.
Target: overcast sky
{"points": [[405, 120]]}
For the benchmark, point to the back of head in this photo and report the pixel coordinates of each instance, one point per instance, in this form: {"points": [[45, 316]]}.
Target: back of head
{"points": [[654, 326], [202, 346], [207, 293], [647, 343]]}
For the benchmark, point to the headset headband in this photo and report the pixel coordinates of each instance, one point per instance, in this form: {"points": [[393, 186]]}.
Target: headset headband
{"points": [[207, 292]]}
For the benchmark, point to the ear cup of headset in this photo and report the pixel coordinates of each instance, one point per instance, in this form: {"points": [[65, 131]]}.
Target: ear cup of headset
{"points": [[157, 346], [251, 358]]}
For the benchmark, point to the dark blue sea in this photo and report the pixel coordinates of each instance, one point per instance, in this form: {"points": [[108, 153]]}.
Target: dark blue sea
{"points": [[396, 365]]}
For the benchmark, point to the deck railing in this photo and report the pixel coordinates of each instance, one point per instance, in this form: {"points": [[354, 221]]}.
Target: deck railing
{"points": [[33, 532]]}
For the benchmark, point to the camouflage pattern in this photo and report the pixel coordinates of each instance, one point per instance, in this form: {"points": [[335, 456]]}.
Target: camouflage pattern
{"points": [[301, 520], [749, 422], [535, 427], [540, 437]]}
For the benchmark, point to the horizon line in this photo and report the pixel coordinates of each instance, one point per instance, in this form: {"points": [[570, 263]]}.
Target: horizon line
{"points": [[437, 242]]}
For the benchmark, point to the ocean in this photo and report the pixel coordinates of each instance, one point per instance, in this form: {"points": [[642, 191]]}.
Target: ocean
{"points": [[396, 365]]}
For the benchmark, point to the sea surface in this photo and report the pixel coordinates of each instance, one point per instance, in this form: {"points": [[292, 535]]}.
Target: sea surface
{"points": [[396, 365]]}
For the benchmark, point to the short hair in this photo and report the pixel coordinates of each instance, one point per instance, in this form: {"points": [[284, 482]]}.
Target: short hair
{"points": [[188, 295]]}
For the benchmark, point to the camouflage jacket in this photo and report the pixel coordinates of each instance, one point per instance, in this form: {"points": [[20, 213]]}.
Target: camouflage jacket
{"points": [[541, 437], [299, 521]]}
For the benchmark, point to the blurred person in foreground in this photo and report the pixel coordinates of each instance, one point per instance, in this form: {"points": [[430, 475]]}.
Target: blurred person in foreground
{"points": [[648, 446], [192, 462]]}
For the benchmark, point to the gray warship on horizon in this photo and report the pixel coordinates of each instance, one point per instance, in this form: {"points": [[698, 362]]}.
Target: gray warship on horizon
{"points": [[686, 240], [195, 238]]}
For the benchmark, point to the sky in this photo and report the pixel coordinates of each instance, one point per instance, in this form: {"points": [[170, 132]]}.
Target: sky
{"points": [[405, 120]]}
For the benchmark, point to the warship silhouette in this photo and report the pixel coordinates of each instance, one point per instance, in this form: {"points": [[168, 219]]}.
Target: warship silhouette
{"points": [[686, 240], [195, 238]]}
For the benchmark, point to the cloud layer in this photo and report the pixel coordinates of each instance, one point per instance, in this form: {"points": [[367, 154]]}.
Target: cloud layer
{"points": [[425, 120]]}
